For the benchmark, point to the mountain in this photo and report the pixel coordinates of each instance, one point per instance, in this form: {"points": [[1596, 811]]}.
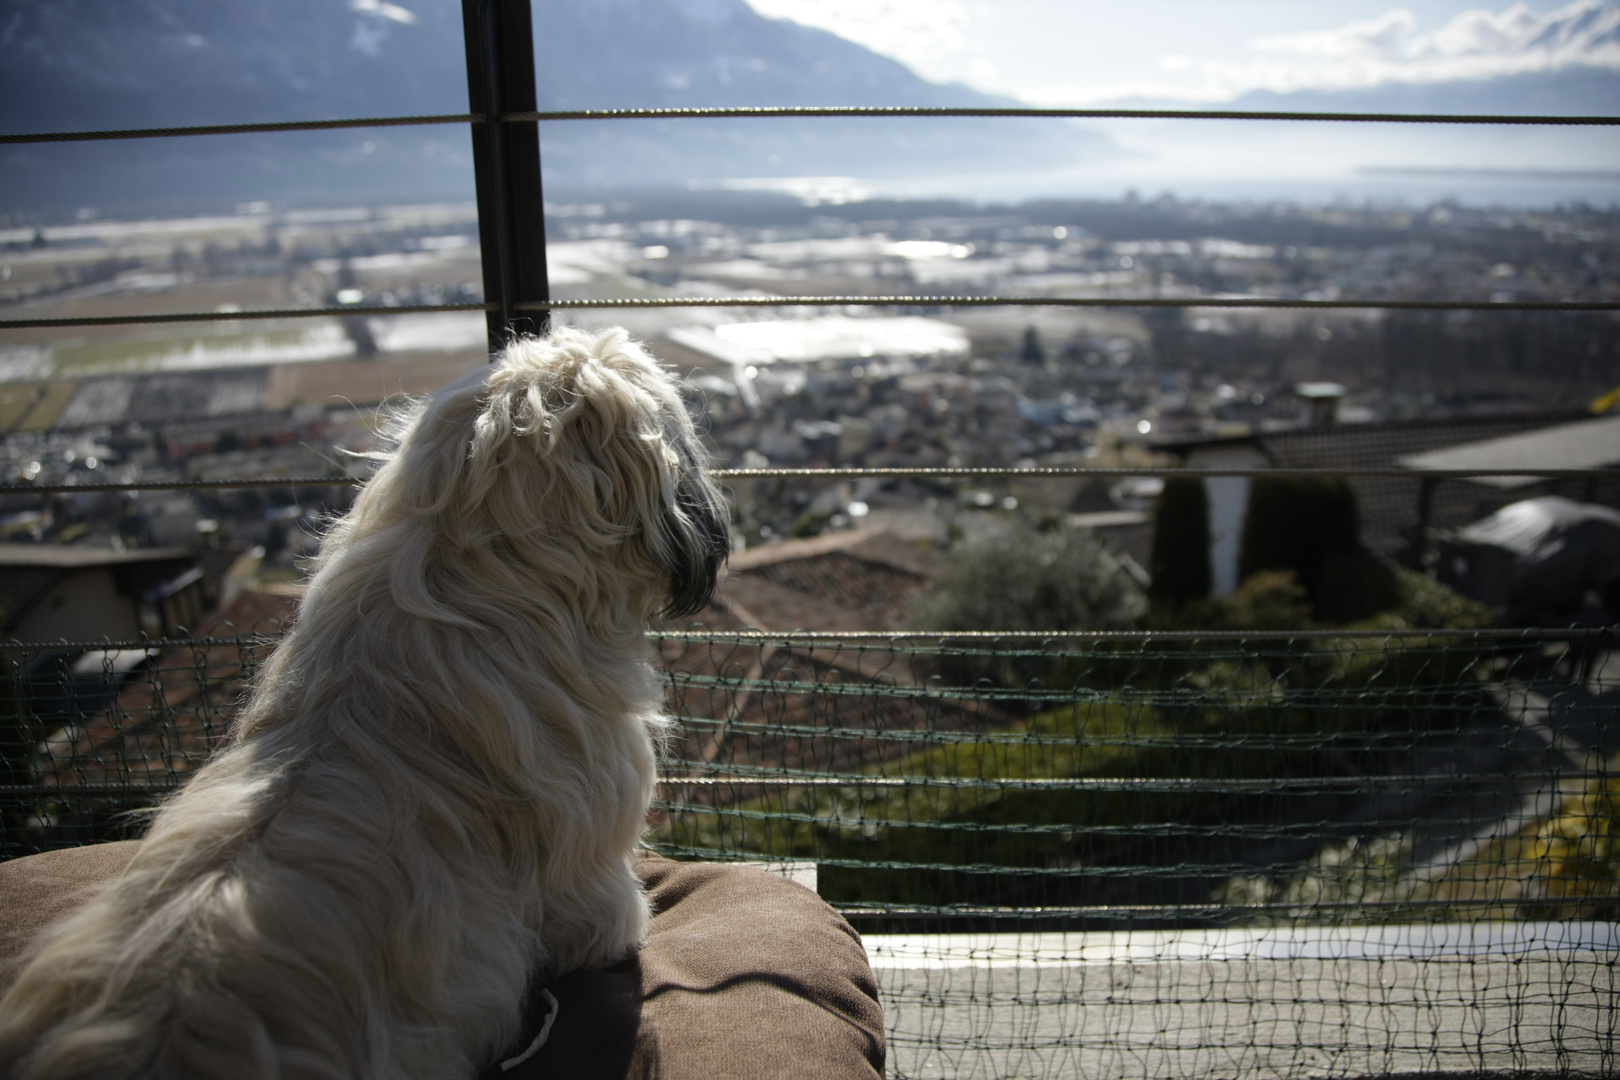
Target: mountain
{"points": [[98, 64], [1512, 62], [1571, 92]]}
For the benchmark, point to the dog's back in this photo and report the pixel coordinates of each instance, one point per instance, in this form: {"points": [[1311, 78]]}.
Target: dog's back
{"points": [[442, 771], [161, 972], [251, 938]]}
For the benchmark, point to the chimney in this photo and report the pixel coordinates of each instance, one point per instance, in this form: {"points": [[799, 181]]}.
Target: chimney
{"points": [[1321, 402]]}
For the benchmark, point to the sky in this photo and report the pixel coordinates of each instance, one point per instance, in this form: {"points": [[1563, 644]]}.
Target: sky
{"points": [[1190, 53], [1090, 52]]}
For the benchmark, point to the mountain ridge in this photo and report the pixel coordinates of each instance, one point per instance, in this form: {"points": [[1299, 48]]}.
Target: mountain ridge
{"points": [[98, 64], [101, 64]]}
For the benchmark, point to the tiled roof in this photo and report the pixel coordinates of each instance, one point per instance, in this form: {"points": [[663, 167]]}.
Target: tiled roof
{"points": [[861, 580], [1588, 443], [21, 587], [1373, 445], [766, 714], [1390, 506], [174, 711], [28, 572], [69, 556]]}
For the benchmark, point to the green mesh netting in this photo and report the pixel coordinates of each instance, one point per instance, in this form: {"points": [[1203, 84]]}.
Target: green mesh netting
{"points": [[1123, 855]]}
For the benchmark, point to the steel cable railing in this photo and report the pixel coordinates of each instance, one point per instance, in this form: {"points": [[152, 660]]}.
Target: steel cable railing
{"points": [[919, 301], [788, 111], [1170, 782], [969, 472], [547, 305]]}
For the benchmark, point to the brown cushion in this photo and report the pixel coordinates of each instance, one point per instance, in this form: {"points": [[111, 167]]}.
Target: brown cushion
{"points": [[40, 889], [745, 975]]}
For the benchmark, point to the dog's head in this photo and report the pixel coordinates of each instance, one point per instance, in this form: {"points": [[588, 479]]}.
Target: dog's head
{"points": [[573, 457]]}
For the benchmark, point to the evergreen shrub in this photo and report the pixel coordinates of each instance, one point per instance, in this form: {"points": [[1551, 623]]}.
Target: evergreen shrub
{"points": [[1022, 575], [1180, 563], [1309, 525]]}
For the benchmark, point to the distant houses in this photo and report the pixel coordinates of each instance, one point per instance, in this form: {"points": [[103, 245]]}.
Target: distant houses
{"points": [[1396, 513], [52, 593]]}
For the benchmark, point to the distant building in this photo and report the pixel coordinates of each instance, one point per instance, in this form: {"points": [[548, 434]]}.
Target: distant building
{"points": [[55, 593], [1395, 512], [160, 728], [860, 579], [838, 341]]}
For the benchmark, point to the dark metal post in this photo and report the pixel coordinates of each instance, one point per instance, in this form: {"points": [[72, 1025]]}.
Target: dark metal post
{"points": [[1420, 538], [506, 165]]}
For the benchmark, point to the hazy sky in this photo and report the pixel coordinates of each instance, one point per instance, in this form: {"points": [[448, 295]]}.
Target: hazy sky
{"points": [[1095, 52], [1082, 52]]}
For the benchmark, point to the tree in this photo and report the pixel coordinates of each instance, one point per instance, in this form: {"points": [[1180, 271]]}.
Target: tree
{"points": [[1019, 575], [17, 739], [1578, 856], [1031, 351], [1180, 562], [1308, 525]]}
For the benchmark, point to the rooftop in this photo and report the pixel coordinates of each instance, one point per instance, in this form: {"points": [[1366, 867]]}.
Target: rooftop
{"points": [[64, 557], [1584, 444], [833, 337]]}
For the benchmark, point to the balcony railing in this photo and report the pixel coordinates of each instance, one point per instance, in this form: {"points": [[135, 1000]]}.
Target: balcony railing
{"points": [[1343, 851], [1124, 854]]}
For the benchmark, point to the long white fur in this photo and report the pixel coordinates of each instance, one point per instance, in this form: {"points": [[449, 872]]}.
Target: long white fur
{"points": [[438, 780]]}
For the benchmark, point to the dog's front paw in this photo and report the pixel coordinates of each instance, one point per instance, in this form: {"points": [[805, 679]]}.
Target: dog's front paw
{"points": [[597, 930], [622, 933]]}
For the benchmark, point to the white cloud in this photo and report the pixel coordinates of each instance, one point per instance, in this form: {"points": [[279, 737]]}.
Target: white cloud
{"points": [[914, 32], [1475, 44], [988, 44], [1581, 32], [1378, 35], [1087, 95], [1484, 33], [384, 10], [1391, 48]]}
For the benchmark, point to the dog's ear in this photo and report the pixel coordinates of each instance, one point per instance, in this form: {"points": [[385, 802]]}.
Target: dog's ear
{"points": [[696, 539], [618, 454]]}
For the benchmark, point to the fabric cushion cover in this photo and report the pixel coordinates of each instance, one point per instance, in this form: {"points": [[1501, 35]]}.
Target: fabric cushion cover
{"points": [[745, 976]]}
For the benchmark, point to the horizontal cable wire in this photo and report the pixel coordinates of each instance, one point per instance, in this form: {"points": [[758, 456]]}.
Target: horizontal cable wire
{"points": [[241, 129], [746, 111], [979, 869], [1551, 634], [1267, 785], [153, 645], [767, 111], [183, 485], [1080, 728], [1235, 302], [877, 473], [1264, 786], [228, 316], [1059, 696], [90, 790], [1126, 911], [753, 636], [1307, 830], [901, 472], [1240, 302]]}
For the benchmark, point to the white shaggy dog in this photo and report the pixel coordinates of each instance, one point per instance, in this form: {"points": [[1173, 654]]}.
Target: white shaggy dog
{"points": [[436, 786]]}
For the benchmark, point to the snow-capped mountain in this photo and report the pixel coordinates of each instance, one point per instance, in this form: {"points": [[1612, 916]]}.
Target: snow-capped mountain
{"points": [[1510, 62], [1584, 33], [1474, 46], [1513, 62], [97, 64]]}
